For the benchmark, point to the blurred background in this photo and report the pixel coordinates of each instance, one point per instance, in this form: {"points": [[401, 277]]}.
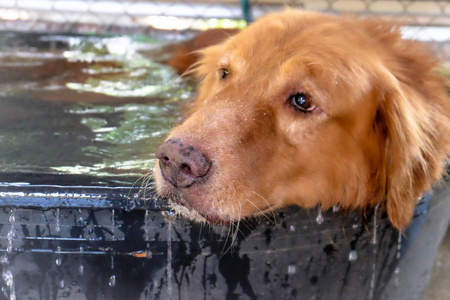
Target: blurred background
{"points": [[427, 20]]}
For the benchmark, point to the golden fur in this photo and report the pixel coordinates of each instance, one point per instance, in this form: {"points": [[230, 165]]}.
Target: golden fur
{"points": [[379, 134]]}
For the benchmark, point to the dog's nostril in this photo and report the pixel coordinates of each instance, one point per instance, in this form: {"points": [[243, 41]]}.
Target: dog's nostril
{"points": [[186, 169], [164, 160]]}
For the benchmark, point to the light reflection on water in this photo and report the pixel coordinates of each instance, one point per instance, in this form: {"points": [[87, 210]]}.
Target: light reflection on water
{"points": [[84, 105]]}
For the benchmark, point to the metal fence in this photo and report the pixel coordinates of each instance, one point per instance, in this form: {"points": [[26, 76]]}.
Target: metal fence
{"points": [[429, 20]]}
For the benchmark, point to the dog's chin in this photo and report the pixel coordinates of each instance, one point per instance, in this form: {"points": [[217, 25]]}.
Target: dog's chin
{"points": [[181, 208]]}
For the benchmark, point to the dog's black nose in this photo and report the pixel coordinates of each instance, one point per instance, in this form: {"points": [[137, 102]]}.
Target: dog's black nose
{"points": [[181, 164]]}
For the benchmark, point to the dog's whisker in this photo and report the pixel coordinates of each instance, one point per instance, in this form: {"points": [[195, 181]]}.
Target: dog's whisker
{"points": [[273, 220], [233, 230], [145, 179], [237, 224], [262, 212]]}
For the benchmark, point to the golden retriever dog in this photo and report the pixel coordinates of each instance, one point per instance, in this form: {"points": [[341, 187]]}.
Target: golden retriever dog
{"points": [[312, 110]]}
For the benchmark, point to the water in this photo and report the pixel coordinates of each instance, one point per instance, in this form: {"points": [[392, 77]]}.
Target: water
{"points": [[112, 281], [9, 281], [113, 224], [319, 218], [4, 259], [80, 217], [292, 269], [353, 255], [146, 226], [375, 215], [398, 256], [11, 233], [81, 269], [169, 216], [7, 274], [374, 251], [169, 260], [399, 245], [112, 262], [57, 220], [94, 115], [396, 274]]}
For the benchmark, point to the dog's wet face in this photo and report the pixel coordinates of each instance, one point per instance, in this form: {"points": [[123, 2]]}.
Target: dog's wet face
{"points": [[293, 110], [266, 130]]}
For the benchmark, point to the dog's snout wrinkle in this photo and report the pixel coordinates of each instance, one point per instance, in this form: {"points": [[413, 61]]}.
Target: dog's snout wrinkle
{"points": [[181, 165]]}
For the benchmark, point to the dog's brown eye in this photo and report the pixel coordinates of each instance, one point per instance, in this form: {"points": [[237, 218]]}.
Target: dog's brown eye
{"points": [[302, 101], [223, 73]]}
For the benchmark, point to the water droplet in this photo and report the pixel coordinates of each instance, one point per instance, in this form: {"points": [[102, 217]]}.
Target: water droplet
{"points": [[58, 262], [399, 245], [8, 277], [112, 281], [11, 232], [5, 260], [57, 220], [146, 225], [353, 255], [5, 292], [292, 228], [149, 254], [374, 265], [336, 208], [169, 257], [375, 214], [398, 256], [81, 270], [80, 216], [319, 218], [292, 269], [113, 224], [58, 249], [397, 279], [61, 284], [9, 249], [354, 226], [9, 281], [372, 286]]}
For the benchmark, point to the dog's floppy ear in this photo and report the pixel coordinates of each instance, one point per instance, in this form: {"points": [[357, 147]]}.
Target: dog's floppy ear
{"points": [[414, 128]]}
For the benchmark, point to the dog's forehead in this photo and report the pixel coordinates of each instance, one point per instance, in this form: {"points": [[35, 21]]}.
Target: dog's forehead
{"points": [[287, 33], [290, 38], [302, 48]]}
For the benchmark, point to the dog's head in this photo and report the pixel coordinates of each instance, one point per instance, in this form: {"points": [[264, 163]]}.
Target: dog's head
{"points": [[307, 109]]}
